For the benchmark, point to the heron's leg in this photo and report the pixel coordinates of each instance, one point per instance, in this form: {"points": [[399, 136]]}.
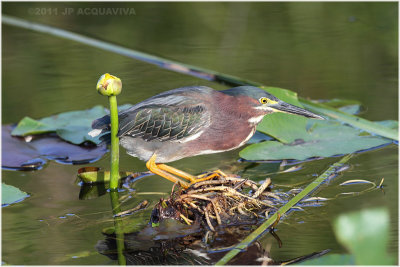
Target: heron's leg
{"points": [[154, 168], [177, 172], [209, 176], [217, 173], [193, 179]]}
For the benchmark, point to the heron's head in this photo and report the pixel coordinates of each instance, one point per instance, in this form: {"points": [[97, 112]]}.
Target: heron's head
{"points": [[264, 101]]}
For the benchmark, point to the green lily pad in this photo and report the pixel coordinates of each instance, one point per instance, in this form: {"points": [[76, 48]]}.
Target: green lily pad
{"points": [[71, 126], [392, 124], [337, 103], [365, 234], [323, 139], [11, 194], [351, 109]]}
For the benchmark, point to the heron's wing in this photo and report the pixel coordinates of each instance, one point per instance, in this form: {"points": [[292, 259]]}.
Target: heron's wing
{"points": [[164, 123], [171, 115]]}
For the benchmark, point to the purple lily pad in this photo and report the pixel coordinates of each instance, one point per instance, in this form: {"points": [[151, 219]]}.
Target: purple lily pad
{"points": [[18, 154]]}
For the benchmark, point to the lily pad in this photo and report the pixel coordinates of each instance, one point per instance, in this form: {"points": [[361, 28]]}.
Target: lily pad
{"points": [[11, 194], [352, 107], [365, 234], [259, 137], [392, 124], [17, 154], [71, 126], [323, 139], [337, 103]]}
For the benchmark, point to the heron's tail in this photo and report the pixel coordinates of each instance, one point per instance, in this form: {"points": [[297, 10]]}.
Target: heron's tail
{"points": [[102, 127]]}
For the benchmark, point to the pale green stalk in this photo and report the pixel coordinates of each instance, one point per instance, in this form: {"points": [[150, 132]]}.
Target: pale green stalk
{"points": [[114, 143]]}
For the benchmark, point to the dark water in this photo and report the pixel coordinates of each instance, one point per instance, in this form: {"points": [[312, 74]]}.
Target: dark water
{"points": [[320, 50]]}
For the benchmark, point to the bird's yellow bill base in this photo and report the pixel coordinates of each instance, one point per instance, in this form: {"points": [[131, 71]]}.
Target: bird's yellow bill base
{"points": [[175, 175]]}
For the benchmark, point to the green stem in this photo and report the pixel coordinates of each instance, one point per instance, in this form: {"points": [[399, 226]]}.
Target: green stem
{"points": [[119, 231], [357, 122], [263, 227], [114, 143]]}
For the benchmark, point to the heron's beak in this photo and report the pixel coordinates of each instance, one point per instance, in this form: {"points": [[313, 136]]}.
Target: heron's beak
{"points": [[291, 109]]}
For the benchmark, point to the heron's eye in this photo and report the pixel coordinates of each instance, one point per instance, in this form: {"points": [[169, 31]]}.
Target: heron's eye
{"points": [[264, 100]]}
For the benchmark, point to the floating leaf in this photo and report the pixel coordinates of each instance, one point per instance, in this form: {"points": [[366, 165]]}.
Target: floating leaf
{"points": [[71, 126], [351, 109], [11, 194], [324, 139], [365, 234], [352, 120], [259, 137], [337, 103], [17, 154], [392, 124]]}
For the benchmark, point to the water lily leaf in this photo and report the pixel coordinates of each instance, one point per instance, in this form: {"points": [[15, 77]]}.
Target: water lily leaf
{"points": [[324, 139], [284, 127], [351, 109], [11, 194], [71, 126], [259, 137], [358, 122], [392, 124], [337, 103], [53, 148], [17, 154], [365, 234]]}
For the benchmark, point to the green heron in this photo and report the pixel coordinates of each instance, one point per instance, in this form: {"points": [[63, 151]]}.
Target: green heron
{"points": [[191, 121]]}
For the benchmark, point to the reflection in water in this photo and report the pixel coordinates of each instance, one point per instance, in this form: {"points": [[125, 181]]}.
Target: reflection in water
{"points": [[119, 231], [204, 247]]}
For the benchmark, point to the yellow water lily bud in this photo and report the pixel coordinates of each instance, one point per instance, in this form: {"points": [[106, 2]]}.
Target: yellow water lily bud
{"points": [[109, 85]]}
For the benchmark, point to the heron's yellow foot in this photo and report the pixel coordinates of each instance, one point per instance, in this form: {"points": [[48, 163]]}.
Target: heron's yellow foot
{"points": [[157, 169], [174, 175], [217, 173]]}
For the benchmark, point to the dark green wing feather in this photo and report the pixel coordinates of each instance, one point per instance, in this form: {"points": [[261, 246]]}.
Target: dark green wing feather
{"points": [[164, 123]]}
